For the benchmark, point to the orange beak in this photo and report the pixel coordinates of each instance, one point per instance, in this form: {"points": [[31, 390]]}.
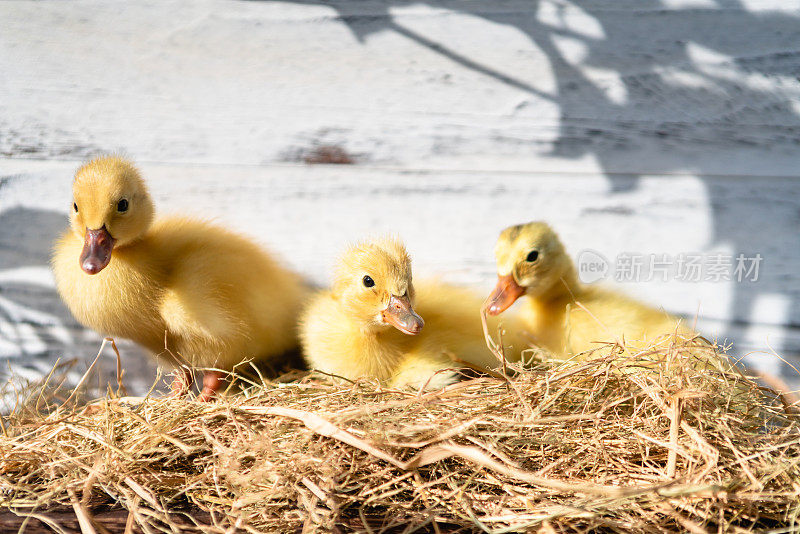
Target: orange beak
{"points": [[97, 247], [504, 295], [402, 316]]}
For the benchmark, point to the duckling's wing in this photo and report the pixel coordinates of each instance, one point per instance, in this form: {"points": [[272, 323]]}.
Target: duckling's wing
{"points": [[200, 303], [191, 313]]}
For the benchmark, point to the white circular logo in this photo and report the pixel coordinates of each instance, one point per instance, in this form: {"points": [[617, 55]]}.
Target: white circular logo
{"points": [[592, 266]]}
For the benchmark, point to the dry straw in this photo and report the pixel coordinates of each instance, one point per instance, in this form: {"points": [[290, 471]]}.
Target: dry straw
{"points": [[667, 439]]}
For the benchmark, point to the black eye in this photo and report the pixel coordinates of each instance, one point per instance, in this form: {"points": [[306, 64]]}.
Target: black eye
{"points": [[533, 255], [75, 207], [368, 281], [122, 205]]}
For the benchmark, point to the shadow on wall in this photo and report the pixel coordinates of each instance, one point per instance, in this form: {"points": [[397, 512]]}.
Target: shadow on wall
{"points": [[652, 50], [36, 329]]}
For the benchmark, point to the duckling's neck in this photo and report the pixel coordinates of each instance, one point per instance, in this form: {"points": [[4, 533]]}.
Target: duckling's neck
{"points": [[546, 313], [383, 338], [567, 288], [374, 349]]}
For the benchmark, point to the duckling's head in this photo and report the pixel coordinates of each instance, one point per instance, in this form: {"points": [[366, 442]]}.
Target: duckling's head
{"points": [[530, 260], [373, 284], [111, 207]]}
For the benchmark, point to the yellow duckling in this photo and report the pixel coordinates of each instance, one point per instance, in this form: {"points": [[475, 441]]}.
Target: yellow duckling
{"points": [[561, 314], [368, 324], [211, 296]]}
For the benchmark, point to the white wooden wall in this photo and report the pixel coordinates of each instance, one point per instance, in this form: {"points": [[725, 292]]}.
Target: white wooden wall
{"points": [[653, 127]]}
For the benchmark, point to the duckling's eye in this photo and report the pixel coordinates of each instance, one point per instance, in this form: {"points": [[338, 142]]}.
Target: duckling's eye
{"points": [[75, 207], [533, 255], [122, 205], [368, 281]]}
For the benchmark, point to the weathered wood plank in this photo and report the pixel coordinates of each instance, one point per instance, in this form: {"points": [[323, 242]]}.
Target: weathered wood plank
{"points": [[113, 520], [450, 220], [641, 87]]}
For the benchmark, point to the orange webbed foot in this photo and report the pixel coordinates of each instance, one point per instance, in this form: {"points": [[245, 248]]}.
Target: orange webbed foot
{"points": [[212, 382]]}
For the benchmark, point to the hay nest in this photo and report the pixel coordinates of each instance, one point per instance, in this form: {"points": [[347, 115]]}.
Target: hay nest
{"points": [[668, 439]]}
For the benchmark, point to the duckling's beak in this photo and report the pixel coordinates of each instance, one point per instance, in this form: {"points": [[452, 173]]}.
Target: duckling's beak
{"points": [[97, 246], [402, 316], [504, 295]]}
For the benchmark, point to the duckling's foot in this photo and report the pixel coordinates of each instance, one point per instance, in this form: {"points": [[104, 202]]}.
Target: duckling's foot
{"points": [[212, 381], [182, 382]]}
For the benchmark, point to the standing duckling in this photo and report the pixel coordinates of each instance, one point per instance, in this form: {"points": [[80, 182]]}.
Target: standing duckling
{"points": [[373, 323], [532, 261], [200, 291]]}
